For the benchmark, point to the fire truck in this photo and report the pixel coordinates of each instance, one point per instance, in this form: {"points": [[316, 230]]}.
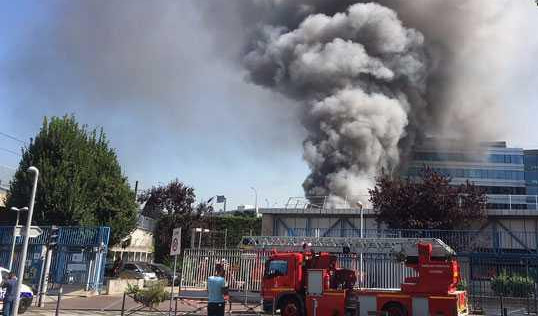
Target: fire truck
{"points": [[302, 277]]}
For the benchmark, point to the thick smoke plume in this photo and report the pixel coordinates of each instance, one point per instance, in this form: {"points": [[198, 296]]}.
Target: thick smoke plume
{"points": [[374, 77]]}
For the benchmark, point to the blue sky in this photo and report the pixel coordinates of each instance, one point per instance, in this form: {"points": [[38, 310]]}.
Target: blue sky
{"points": [[170, 99], [215, 132]]}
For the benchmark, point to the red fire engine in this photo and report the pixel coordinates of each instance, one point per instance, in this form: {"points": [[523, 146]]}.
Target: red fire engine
{"points": [[302, 277]]}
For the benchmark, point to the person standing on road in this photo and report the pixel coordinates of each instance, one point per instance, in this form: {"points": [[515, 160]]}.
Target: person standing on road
{"points": [[10, 285], [216, 288]]}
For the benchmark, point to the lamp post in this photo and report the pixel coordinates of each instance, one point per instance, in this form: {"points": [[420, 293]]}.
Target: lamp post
{"points": [[35, 171], [201, 231], [255, 200], [14, 239], [361, 262]]}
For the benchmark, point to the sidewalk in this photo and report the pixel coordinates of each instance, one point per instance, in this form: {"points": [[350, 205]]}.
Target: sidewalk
{"points": [[112, 304]]}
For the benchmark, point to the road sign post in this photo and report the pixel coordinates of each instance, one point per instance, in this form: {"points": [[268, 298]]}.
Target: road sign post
{"points": [[175, 250]]}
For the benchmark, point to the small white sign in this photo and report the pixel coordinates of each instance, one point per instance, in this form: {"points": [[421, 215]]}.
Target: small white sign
{"points": [[77, 257], [76, 267], [175, 246], [34, 231]]}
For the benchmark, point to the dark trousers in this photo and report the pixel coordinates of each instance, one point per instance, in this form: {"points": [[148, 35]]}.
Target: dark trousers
{"points": [[8, 307], [215, 309]]}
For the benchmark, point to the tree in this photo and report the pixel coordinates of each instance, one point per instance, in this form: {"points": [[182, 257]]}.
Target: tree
{"points": [[172, 205], [173, 198], [430, 202], [80, 183]]}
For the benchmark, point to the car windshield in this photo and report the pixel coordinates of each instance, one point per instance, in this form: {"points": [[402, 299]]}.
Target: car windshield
{"points": [[144, 266], [276, 268], [163, 268]]}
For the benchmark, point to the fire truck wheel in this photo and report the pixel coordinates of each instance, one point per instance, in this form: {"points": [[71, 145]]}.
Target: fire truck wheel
{"points": [[290, 307], [394, 309]]}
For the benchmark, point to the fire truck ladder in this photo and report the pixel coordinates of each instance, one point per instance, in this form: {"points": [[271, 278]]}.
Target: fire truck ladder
{"points": [[401, 247]]}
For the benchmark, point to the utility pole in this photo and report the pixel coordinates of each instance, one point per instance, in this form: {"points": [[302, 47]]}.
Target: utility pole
{"points": [[24, 251]]}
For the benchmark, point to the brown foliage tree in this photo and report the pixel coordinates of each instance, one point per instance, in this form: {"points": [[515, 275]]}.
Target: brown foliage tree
{"points": [[430, 202]]}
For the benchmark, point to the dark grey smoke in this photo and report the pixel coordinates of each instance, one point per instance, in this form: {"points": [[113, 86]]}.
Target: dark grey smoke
{"points": [[375, 77]]}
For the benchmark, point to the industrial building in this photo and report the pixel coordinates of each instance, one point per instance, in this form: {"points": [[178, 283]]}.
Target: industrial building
{"points": [[508, 175]]}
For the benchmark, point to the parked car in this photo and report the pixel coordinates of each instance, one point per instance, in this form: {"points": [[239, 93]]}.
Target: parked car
{"points": [[164, 273], [137, 270], [26, 293]]}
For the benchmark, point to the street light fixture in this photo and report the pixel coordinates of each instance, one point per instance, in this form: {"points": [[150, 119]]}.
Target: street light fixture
{"points": [[255, 200], [14, 239], [201, 231]]}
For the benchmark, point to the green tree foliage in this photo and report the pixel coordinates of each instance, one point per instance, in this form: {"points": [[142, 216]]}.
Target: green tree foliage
{"points": [[80, 183], [430, 202]]}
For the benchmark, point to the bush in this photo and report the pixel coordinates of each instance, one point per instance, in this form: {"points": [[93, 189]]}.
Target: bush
{"points": [[150, 296], [505, 284]]}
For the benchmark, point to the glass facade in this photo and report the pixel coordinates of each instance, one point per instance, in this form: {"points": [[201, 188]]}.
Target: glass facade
{"points": [[468, 157], [531, 171], [473, 173]]}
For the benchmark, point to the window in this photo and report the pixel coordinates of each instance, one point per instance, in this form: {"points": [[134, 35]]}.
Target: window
{"points": [[276, 268], [130, 266]]}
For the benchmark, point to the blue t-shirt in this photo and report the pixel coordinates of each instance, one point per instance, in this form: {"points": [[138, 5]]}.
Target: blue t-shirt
{"points": [[215, 285]]}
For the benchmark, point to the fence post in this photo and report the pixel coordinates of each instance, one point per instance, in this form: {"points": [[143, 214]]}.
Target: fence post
{"points": [[60, 291], [123, 305]]}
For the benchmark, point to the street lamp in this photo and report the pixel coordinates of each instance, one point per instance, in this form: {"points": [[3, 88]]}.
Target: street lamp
{"points": [[201, 231], [361, 262], [255, 200], [22, 264], [14, 239]]}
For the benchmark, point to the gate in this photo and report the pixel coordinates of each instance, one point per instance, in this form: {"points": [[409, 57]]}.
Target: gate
{"points": [[78, 259]]}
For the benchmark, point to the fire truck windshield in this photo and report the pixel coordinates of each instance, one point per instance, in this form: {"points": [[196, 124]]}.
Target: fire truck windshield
{"points": [[275, 268]]}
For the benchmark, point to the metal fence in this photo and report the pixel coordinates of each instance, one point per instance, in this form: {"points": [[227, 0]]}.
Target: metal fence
{"points": [[493, 282], [78, 259], [244, 269]]}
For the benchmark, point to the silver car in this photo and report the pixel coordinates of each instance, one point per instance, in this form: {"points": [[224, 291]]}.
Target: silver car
{"points": [[137, 270]]}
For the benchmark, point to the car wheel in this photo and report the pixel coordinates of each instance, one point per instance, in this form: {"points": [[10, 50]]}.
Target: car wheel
{"points": [[24, 304], [290, 307], [394, 309]]}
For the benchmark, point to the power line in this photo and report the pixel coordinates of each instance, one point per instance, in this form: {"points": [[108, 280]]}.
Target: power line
{"points": [[12, 137], [10, 151]]}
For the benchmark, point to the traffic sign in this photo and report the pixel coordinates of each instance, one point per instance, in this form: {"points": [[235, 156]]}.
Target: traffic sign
{"points": [[34, 231], [175, 246]]}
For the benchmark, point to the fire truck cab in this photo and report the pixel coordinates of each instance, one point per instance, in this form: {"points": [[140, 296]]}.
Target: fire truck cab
{"points": [[309, 283]]}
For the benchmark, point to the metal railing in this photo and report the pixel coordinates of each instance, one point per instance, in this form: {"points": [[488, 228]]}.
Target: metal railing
{"points": [[463, 241], [494, 201]]}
